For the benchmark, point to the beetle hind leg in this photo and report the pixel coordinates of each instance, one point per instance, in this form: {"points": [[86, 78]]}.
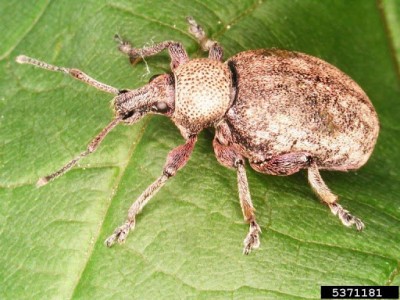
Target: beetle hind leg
{"points": [[283, 164], [325, 194]]}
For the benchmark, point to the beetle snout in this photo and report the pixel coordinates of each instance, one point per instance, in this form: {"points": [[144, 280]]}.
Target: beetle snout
{"points": [[154, 97], [123, 105]]}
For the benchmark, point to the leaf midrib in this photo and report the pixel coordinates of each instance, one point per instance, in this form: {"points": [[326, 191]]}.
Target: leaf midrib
{"points": [[114, 193], [138, 139], [388, 33]]}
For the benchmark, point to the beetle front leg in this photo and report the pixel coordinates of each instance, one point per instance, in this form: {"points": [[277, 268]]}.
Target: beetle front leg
{"points": [[325, 194], [176, 51], [215, 49], [176, 159], [228, 157]]}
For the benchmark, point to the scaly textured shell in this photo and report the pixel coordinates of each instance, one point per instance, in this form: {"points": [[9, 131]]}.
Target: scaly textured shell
{"points": [[292, 102]]}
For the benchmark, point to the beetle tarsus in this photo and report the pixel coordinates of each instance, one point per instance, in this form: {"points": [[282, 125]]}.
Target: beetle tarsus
{"points": [[345, 217], [118, 38], [120, 234], [324, 193], [215, 50], [252, 240], [196, 30]]}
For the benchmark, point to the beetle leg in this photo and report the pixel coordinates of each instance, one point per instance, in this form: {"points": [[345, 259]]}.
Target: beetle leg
{"points": [[228, 157], [176, 51], [215, 49], [75, 73], [252, 240], [176, 159], [325, 194]]}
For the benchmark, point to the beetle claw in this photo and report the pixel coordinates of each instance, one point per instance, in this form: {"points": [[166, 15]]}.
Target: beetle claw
{"points": [[346, 217], [252, 240], [118, 39], [120, 234]]}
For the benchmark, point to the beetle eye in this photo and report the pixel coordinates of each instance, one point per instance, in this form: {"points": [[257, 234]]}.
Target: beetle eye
{"points": [[153, 77], [128, 115], [122, 92], [161, 107]]}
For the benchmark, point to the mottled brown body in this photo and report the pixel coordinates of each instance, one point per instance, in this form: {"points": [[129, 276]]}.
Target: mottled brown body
{"points": [[283, 111], [289, 102]]}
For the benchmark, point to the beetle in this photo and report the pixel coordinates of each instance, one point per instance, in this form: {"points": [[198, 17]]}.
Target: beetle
{"points": [[280, 110]]}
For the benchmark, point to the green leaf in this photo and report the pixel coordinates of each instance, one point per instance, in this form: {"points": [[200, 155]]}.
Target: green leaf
{"points": [[188, 239]]}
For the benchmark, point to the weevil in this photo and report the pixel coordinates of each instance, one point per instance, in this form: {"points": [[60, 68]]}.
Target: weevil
{"points": [[282, 111]]}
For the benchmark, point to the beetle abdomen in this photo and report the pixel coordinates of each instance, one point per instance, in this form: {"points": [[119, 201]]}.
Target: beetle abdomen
{"points": [[292, 102]]}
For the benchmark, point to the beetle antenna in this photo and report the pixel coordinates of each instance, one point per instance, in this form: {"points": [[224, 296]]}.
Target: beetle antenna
{"points": [[75, 73], [93, 145]]}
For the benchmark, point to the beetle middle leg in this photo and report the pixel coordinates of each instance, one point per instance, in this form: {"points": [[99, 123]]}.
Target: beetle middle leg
{"points": [[252, 240], [325, 194], [228, 157], [176, 159]]}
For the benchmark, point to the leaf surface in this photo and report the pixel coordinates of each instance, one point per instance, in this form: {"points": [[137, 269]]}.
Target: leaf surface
{"points": [[188, 240]]}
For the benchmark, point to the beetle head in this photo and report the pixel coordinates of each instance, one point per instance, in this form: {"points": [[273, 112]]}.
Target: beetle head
{"points": [[156, 97]]}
